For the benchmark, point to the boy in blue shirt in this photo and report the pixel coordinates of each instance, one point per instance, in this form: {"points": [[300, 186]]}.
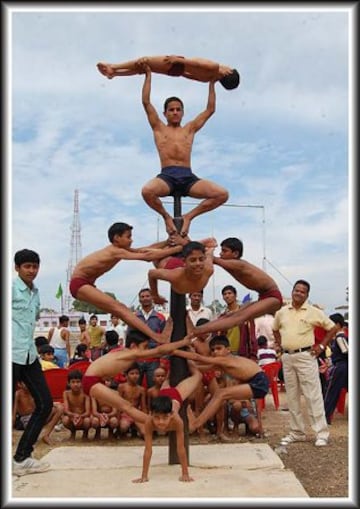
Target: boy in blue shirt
{"points": [[25, 362]]}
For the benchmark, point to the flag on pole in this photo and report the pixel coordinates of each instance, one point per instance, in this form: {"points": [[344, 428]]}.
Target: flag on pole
{"points": [[247, 298], [59, 292]]}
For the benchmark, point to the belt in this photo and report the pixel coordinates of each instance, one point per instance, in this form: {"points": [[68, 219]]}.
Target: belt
{"points": [[303, 349]]}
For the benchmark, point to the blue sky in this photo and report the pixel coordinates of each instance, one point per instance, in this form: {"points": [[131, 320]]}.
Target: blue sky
{"points": [[278, 143]]}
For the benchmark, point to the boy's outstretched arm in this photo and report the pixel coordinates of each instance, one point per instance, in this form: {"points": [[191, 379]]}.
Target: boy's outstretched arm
{"points": [[200, 120], [163, 349], [148, 432], [150, 111], [193, 356], [181, 453], [153, 276]]}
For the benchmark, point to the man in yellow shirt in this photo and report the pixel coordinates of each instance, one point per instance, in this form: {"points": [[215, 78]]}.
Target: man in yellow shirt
{"points": [[293, 328]]}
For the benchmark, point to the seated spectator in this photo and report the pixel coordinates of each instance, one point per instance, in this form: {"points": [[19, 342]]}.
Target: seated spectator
{"points": [[24, 407], [76, 406], [135, 394], [81, 353], [265, 355], [47, 357], [111, 341], [244, 412], [39, 341], [160, 375], [104, 416]]}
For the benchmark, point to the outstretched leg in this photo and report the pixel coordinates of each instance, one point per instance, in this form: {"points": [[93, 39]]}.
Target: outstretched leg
{"points": [[103, 301], [188, 385], [213, 196], [246, 312], [108, 396], [123, 69]]}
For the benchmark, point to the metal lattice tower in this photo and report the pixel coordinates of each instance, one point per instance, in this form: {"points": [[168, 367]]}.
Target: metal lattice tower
{"points": [[75, 249]]}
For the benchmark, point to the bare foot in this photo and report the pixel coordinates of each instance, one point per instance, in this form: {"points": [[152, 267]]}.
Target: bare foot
{"points": [[166, 333], [105, 69], [170, 226], [185, 226], [223, 438], [46, 439], [191, 419], [203, 439]]}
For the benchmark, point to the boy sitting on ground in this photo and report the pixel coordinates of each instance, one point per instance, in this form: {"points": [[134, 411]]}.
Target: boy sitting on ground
{"points": [[104, 416], [77, 406], [135, 394], [24, 407]]}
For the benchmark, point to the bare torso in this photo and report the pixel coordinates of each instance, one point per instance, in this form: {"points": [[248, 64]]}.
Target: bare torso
{"points": [[174, 145], [239, 368], [186, 282], [76, 402], [248, 275], [132, 393], [198, 69], [105, 365], [96, 264], [24, 402]]}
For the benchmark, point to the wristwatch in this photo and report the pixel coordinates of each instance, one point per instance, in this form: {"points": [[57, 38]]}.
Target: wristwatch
{"points": [[321, 346]]}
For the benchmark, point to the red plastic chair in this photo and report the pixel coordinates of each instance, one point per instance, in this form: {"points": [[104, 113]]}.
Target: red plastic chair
{"points": [[272, 370], [57, 380], [80, 365], [340, 406]]}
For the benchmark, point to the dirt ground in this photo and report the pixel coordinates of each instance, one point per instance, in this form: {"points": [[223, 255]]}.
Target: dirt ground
{"points": [[323, 471]]}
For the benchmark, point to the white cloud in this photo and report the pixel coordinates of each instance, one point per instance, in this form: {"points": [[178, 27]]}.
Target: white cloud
{"points": [[278, 142]]}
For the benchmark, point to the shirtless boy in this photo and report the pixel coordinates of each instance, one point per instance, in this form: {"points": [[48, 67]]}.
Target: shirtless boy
{"points": [[164, 416], [160, 374], [198, 69], [189, 275], [134, 393], [250, 276], [249, 379], [174, 145], [24, 407], [118, 361], [77, 406], [86, 272]]}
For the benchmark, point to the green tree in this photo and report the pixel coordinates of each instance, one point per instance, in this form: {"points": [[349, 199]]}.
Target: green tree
{"points": [[85, 307]]}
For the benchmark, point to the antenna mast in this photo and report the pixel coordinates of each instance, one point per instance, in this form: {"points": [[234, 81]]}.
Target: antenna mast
{"points": [[75, 249]]}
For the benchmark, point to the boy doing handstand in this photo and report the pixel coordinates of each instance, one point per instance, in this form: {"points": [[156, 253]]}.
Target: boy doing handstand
{"points": [[164, 416], [86, 272], [248, 378]]}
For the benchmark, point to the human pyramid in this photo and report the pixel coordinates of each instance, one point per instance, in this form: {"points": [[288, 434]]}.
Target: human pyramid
{"points": [[187, 274], [186, 264]]}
